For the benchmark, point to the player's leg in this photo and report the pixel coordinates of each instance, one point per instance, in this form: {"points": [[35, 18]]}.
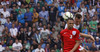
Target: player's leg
{"points": [[82, 49]]}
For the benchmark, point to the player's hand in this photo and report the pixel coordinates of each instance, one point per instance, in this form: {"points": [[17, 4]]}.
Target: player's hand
{"points": [[71, 51]]}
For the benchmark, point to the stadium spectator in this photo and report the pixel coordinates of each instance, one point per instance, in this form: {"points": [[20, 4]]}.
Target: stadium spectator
{"points": [[20, 17], [44, 33], [1, 29], [88, 44], [57, 50], [37, 36], [93, 48], [41, 3], [17, 46], [5, 12], [1, 48], [31, 8], [57, 27], [98, 25], [59, 22], [32, 3], [3, 20], [52, 16], [7, 49], [39, 49], [38, 8], [91, 11], [24, 49], [3, 3], [60, 10], [13, 31], [97, 42], [44, 16], [18, 2], [54, 33], [21, 34], [8, 24], [28, 15], [93, 26], [14, 13], [29, 34], [84, 10], [10, 43], [53, 50], [35, 19], [85, 29], [23, 10], [47, 49]]}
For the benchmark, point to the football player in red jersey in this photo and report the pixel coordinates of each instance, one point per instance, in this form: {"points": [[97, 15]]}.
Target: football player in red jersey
{"points": [[78, 26], [70, 37]]}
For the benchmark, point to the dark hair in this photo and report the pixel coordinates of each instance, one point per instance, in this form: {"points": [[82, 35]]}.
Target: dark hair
{"points": [[78, 16], [79, 9], [70, 19], [27, 7], [1, 14], [61, 2], [52, 49]]}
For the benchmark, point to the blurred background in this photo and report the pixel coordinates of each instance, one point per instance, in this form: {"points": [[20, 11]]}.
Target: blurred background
{"points": [[35, 25]]}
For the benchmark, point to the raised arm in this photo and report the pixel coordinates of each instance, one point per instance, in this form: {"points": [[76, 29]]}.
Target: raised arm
{"points": [[86, 35]]}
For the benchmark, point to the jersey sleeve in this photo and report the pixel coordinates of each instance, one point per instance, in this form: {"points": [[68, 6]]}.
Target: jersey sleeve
{"points": [[77, 37], [61, 35]]}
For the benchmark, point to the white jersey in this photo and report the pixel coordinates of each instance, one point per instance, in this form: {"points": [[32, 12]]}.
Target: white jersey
{"points": [[75, 26]]}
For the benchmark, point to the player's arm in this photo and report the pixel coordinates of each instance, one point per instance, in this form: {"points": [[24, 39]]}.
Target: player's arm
{"points": [[62, 44], [76, 46], [85, 35]]}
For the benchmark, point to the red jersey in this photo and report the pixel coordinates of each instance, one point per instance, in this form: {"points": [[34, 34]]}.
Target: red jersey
{"points": [[68, 37]]}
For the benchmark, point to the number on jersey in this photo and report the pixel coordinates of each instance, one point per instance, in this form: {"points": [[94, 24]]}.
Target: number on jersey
{"points": [[70, 36]]}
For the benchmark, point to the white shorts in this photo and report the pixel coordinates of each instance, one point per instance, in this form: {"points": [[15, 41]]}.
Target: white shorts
{"points": [[81, 48]]}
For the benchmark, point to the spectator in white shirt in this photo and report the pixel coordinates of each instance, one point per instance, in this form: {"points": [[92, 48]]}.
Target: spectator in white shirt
{"points": [[91, 11], [84, 10], [17, 46], [1, 48], [39, 49], [18, 2], [13, 31], [1, 9], [75, 8], [2, 19], [5, 13], [1, 29], [3, 3], [44, 33]]}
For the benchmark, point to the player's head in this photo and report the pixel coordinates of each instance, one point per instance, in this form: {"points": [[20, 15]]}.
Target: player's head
{"points": [[70, 23], [78, 18], [39, 46]]}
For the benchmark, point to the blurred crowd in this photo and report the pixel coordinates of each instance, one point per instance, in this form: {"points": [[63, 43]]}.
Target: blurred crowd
{"points": [[35, 25]]}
